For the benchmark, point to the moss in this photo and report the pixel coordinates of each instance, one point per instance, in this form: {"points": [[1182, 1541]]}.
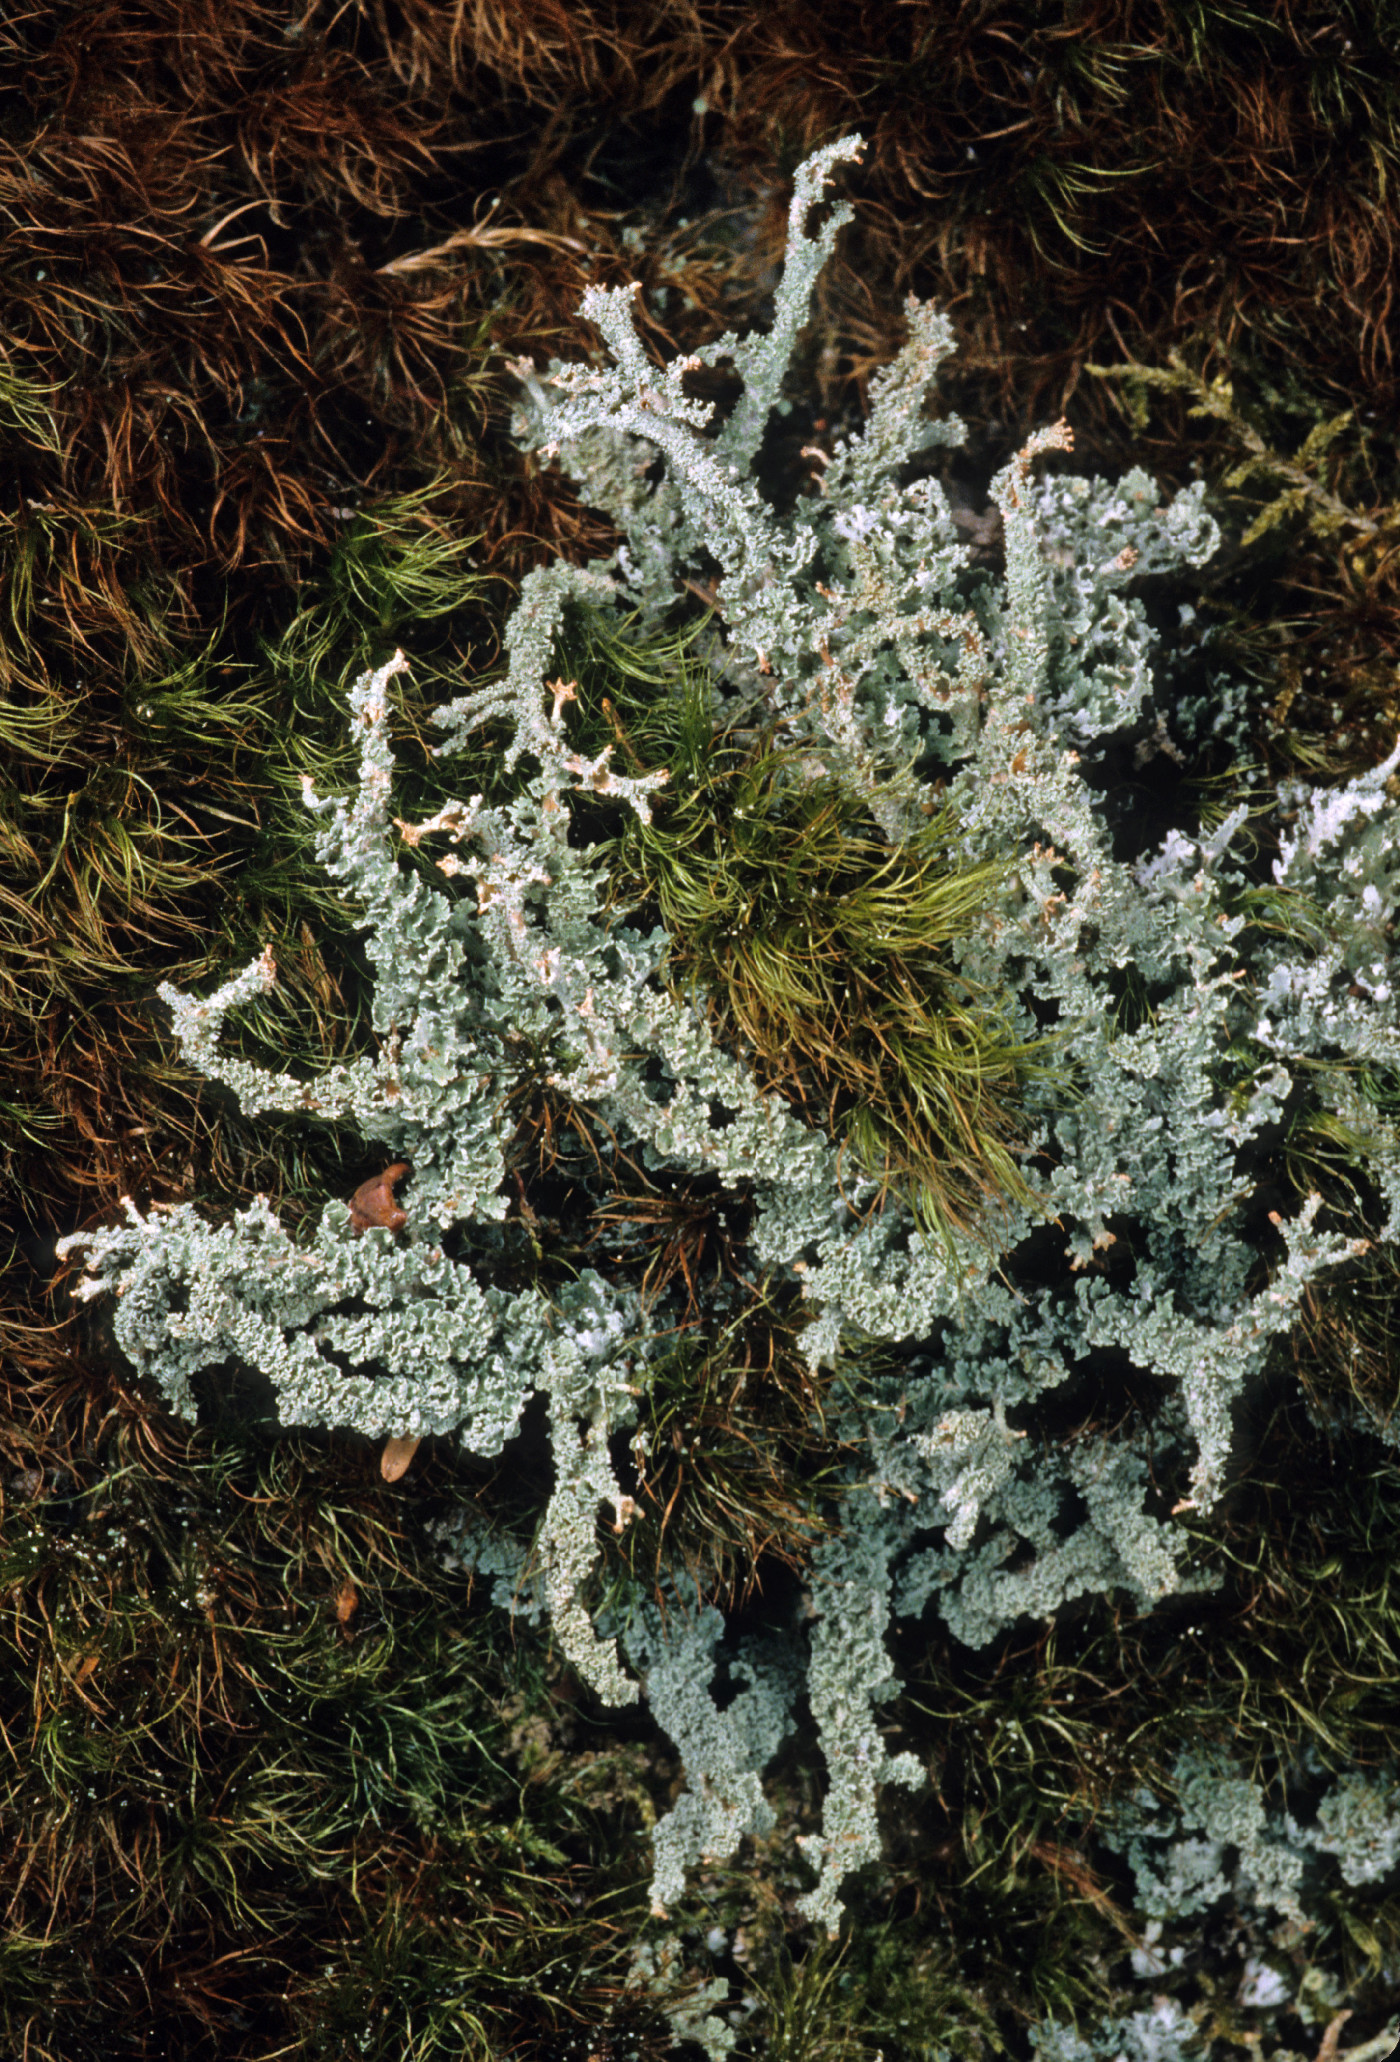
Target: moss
{"points": [[279, 1773]]}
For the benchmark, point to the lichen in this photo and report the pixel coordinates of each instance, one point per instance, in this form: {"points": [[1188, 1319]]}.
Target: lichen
{"points": [[918, 681]]}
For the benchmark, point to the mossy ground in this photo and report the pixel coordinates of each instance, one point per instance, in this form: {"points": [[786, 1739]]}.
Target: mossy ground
{"points": [[275, 1783]]}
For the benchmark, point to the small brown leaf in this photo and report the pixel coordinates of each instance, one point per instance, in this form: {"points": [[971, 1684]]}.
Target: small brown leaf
{"points": [[1330, 2037], [397, 1454], [373, 1201]]}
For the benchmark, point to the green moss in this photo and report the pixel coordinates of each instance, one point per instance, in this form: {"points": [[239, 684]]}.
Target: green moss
{"points": [[824, 955], [253, 1728]]}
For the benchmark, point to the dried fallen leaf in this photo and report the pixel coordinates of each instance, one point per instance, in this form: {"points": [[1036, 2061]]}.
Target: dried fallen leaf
{"points": [[397, 1454], [373, 1201], [1330, 2038]]}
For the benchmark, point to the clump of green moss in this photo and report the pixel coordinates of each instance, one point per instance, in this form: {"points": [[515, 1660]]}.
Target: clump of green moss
{"points": [[826, 956], [280, 1776]]}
